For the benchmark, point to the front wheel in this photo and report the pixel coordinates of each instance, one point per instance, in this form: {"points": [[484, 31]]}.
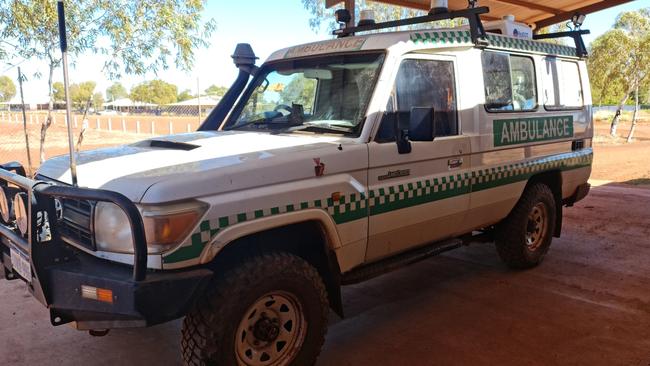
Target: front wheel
{"points": [[524, 237], [270, 311]]}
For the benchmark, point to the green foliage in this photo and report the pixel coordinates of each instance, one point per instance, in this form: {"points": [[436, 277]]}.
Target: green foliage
{"points": [[218, 91], [81, 93], [299, 91], [7, 89], [185, 95], [156, 92], [382, 13], [136, 36], [620, 59], [98, 100], [58, 91], [116, 91]]}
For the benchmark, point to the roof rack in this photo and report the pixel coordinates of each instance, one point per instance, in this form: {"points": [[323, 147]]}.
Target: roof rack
{"points": [[472, 15], [581, 49]]}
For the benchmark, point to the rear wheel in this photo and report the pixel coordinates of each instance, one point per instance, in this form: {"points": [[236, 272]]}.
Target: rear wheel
{"points": [[524, 237], [270, 311]]}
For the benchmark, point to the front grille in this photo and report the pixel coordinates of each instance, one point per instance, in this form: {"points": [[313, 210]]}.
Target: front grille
{"points": [[76, 223], [74, 219]]}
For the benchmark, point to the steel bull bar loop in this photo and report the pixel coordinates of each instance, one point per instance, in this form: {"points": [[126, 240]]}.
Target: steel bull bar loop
{"points": [[13, 173]]}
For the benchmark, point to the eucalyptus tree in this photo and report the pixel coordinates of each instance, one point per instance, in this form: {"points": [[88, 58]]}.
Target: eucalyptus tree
{"points": [[7, 89], [134, 37], [620, 61], [321, 15]]}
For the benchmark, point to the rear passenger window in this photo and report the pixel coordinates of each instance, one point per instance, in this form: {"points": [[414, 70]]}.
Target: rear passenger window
{"points": [[562, 85], [509, 82]]}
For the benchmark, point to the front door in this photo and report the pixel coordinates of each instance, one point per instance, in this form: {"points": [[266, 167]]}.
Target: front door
{"points": [[423, 195]]}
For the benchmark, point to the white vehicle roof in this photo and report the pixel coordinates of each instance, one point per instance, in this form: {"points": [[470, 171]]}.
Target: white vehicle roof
{"points": [[416, 40]]}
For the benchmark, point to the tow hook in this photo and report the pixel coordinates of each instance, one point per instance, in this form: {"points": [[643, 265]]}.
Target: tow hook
{"points": [[98, 332]]}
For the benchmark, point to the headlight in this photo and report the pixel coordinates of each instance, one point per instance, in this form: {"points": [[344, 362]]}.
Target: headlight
{"points": [[112, 229], [5, 207], [165, 226], [20, 210]]}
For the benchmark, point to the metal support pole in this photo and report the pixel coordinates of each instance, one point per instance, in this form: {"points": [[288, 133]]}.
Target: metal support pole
{"points": [[66, 84], [351, 7], [22, 102]]}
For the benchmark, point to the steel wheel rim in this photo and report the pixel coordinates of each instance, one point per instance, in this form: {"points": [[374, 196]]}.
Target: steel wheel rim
{"points": [[272, 331], [537, 226]]}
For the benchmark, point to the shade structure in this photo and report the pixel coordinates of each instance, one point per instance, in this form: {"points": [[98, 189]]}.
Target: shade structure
{"points": [[536, 13]]}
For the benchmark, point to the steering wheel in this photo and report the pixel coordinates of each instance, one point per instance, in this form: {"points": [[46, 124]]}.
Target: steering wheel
{"points": [[285, 107]]}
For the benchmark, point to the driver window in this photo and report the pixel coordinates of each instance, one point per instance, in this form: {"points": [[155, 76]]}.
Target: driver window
{"points": [[422, 84]]}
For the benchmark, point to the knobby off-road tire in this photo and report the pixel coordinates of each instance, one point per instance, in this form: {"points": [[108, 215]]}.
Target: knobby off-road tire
{"points": [[226, 327], [524, 237]]}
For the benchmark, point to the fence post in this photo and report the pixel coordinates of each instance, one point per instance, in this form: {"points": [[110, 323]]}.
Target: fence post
{"points": [[123, 125], [53, 119], [110, 124], [137, 126], [171, 128], [189, 128], [153, 128], [99, 124], [75, 121], [65, 119]]}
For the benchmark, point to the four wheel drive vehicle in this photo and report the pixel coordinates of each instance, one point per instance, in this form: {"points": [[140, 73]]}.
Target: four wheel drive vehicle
{"points": [[339, 161]]}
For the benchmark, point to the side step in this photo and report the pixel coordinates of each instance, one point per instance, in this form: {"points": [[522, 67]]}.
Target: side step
{"points": [[383, 266]]}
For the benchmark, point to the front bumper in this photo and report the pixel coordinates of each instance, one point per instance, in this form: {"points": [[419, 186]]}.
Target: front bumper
{"points": [[59, 271]]}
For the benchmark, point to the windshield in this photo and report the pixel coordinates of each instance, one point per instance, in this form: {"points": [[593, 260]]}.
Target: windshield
{"points": [[324, 95]]}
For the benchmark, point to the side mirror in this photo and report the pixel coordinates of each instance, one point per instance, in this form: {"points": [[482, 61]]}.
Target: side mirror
{"points": [[422, 124], [402, 125]]}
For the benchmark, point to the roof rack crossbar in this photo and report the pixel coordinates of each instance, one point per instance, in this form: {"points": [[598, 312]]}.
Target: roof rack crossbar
{"points": [[472, 15], [581, 49]]}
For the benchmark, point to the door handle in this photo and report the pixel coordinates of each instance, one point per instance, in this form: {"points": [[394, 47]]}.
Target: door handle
{"points": [[455, 163]]}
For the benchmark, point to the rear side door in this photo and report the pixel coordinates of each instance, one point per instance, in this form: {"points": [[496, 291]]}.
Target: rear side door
{"points": [[423, 195]]}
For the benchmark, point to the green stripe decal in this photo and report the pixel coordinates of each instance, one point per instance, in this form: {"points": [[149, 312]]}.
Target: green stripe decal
{"points": [[386, 199], [457, 38]]}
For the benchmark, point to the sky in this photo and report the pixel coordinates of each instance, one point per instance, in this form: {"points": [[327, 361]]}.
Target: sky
{"points": [[266, 25]]}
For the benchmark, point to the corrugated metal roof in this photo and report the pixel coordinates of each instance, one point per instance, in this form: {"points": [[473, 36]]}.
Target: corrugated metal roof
{"points": [[537, 13]]}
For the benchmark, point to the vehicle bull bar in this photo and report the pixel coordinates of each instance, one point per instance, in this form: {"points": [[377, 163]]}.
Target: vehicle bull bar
{"points": [[41, 198]]}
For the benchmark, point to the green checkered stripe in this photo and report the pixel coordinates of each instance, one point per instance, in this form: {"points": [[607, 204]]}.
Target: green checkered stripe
{"points": [[496, 41], [442, 37], [348, 208], [499, 41], [384, 199], [488, 178]]}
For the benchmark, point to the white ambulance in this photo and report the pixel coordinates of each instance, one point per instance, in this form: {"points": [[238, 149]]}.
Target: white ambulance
{"points": [[331, 163]]}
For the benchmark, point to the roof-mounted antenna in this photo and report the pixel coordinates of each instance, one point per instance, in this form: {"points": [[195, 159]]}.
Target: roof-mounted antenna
{"points": [[66, 84]]}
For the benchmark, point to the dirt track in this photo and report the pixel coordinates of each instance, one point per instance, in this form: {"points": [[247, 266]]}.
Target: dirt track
{"points": [[588, 304]]}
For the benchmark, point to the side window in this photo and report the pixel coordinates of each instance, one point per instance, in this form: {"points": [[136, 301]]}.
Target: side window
{"points": [[422, 84], [562, 85], [509, 82]]}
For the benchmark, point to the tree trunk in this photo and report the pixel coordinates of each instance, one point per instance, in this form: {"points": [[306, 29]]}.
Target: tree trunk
{"points": [[617, 116], [636, 112], [47, 122]]}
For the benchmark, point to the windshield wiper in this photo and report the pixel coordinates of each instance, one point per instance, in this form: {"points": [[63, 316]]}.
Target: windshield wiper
{"points": [[245, 124], [317, 128]]}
